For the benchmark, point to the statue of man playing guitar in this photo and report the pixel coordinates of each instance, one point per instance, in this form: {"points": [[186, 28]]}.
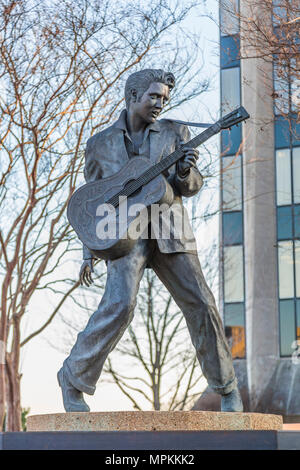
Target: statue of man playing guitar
{"points": [[139, 133]]}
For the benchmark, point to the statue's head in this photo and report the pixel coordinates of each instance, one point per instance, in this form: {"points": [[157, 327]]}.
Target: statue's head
{"points": [[147, 91]]}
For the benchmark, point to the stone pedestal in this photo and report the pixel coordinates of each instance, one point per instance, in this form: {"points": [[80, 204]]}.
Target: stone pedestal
{"points": [[155, 421]]}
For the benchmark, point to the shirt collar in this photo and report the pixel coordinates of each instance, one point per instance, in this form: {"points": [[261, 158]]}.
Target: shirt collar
{"points": [[121, 124]]}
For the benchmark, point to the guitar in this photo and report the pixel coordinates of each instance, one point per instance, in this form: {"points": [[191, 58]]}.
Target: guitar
{"points": [[108, 202]]}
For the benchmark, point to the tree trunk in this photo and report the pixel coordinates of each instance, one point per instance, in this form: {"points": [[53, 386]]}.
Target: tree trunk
{"points": [[14, 410], [2, 395], [13, 397], [13, 400], [156, 397]]}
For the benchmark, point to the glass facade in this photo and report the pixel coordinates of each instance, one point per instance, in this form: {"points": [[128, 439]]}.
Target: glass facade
{"points": [[287, 161], [231, 184], [287, 170]]}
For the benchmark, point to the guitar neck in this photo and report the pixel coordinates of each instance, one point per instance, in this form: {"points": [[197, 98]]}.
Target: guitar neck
{"points": [[173, 158]]}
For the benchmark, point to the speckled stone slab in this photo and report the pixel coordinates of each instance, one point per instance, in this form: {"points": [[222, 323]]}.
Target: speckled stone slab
{"points": [[154, 421]]}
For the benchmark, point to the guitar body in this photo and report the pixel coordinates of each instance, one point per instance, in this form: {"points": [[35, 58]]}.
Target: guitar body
{"points": [[109, 232]]}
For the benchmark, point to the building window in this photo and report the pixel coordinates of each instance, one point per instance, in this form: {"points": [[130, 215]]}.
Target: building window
{"points": [[229, 17], [287, 326], [286, 86], [232, 228], [231, 140], [283, 177], [282, 132], [297, 267], [281, 90], [230, 51], [279, 11], [298, 318], [284, 223], [286, 269], [296, 174], [295, 87], [297, 221], [234, 322], [233, 274], [295, 130], [232, 183], [230, 89]]}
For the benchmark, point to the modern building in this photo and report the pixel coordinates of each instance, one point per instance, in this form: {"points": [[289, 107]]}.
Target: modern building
{"points": [[260, 227]]}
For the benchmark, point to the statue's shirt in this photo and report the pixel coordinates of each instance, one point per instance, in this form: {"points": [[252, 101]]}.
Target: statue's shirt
{"points": [[132, 149]]}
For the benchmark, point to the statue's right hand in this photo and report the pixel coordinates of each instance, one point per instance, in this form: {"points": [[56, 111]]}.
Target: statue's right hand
{"points": [[86, 271]]}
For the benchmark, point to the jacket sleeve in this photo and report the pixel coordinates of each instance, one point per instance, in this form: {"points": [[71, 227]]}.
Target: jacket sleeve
{"points": [[193, 181], [92, 172], [92, 168]]}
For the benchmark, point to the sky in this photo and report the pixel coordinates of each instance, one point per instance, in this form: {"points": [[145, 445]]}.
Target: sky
{"points": [[40, 360]]}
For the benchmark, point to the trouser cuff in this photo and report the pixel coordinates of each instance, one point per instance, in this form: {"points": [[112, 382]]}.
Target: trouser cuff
{"points": [[77, 383], [224, 390]]}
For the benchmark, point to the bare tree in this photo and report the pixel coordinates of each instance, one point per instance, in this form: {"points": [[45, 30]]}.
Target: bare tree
{"points": [[269, 30], [62, 70]]}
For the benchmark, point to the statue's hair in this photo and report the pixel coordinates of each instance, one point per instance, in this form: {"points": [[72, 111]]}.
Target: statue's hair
{"points": [[140, 81]]}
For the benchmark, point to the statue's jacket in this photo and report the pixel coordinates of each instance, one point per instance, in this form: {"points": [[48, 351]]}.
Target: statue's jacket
{"points": [[106, 154]]}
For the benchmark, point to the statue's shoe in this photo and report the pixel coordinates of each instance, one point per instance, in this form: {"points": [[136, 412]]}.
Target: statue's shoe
{"points": [[72, 398], [232, 401]]}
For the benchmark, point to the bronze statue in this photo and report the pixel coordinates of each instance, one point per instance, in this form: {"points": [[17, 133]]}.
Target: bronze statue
{"points": [[138, 133]]}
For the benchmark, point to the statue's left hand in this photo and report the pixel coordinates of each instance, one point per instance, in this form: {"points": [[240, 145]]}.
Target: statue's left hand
{"points": [[189, 160]]}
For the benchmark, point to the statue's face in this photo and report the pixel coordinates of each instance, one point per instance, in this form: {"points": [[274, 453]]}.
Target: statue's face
{"points": [[152, 102]]}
